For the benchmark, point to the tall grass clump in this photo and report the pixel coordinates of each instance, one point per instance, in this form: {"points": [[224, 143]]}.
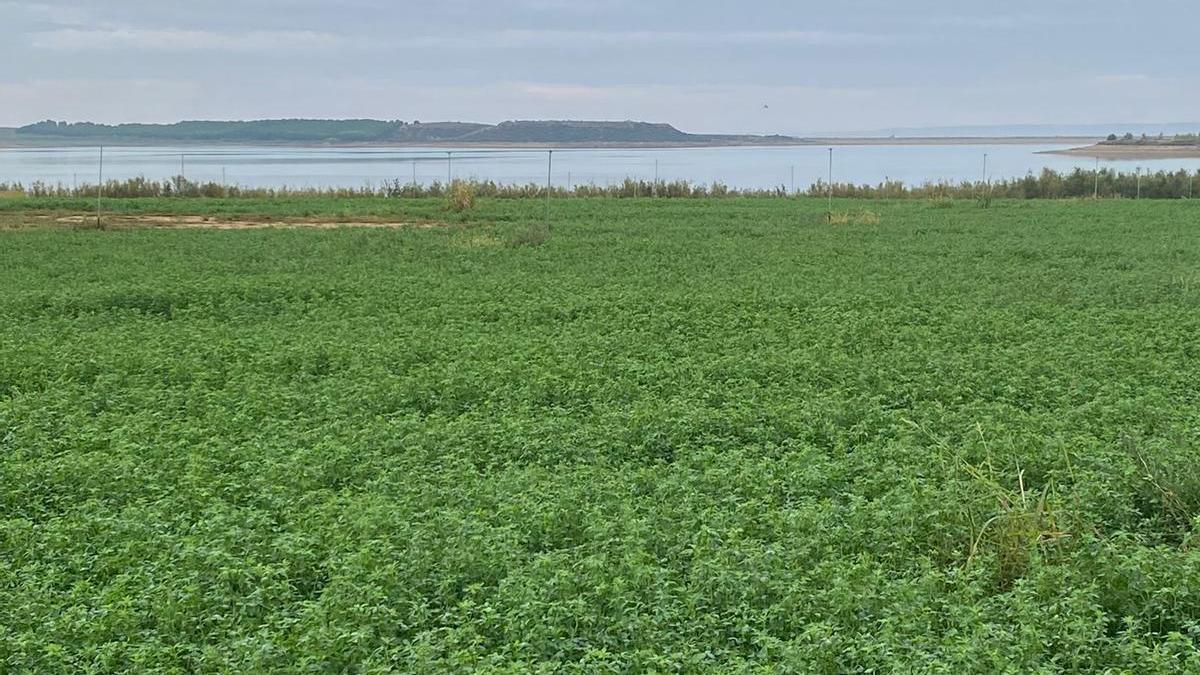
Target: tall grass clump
{"points": [[460, 197]]}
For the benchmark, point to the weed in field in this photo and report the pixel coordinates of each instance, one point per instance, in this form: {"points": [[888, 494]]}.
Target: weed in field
{"points": [[1169, 478], [533, 235], [460, 197], [861, 217]]}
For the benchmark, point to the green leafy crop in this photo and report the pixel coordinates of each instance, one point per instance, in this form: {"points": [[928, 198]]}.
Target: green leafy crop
{"points": [[701, 435]]}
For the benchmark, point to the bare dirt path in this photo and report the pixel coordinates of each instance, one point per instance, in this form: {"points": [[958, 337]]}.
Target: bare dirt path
{"points": [[177, 222]]}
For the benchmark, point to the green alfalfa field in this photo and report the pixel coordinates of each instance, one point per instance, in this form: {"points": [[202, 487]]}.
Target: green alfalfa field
{"points": [[721, 435]]}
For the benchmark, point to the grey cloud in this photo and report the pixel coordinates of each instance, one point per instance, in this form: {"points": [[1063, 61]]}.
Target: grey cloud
{"points": [[705, 65]]}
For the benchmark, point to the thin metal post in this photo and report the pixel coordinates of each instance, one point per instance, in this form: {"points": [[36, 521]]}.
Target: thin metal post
{"points": [[831, 182], [100, 186], [985, 176], [654, 190], [1139, 182], [793, 179], [414, 173], [449, 168], [1096, 193], [549, 169], [182, 174]]}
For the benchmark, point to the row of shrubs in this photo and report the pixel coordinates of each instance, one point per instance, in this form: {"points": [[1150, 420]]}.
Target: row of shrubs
{"points": [[1048, 185]]}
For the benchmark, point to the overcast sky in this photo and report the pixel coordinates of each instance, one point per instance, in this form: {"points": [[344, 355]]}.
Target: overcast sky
{"points": [[787, 66]]}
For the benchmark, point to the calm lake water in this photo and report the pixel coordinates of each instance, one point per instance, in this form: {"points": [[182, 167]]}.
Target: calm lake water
{"points": [[736, 167]]}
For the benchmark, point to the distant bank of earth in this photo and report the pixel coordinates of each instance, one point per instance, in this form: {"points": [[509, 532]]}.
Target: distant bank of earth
{"points": [[1130, 147], [516, 134], [1131, 152]]}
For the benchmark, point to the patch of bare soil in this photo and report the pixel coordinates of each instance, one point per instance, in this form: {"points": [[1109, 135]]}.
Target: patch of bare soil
{"points": [[207, 222]]}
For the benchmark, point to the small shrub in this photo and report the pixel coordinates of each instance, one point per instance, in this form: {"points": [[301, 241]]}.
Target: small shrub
{"points": [[460, 197], [534, 235]]}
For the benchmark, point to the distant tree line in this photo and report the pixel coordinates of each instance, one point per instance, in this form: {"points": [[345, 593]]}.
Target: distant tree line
{"points": [[376, 131], [1161, 139], [294, 130], [1049, 184]]}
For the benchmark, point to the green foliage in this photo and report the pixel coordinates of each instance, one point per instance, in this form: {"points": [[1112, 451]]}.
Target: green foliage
{"points": [[295, 130], [1161, 140], [683, 436], [1049, 184], [534, 235]]}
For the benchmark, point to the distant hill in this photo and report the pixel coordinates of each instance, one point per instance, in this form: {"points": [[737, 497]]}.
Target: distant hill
{"points": [[553, 132], [433, 132], [348, 131], [578, 132]]}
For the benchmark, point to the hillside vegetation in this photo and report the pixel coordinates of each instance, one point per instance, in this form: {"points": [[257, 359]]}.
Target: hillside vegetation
{"points": [[374, 131], [1184, 140]]}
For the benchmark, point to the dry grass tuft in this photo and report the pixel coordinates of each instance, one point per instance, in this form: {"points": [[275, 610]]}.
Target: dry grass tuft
{"points": [[460, 197], [853, 218]]}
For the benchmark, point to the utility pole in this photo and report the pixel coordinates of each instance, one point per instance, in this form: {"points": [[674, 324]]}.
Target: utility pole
{"points": [[100, 186], [1096, 194], [654, 190], [449, 169], [986, 183], [793, 179], [414, 173], [182, 175]]}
